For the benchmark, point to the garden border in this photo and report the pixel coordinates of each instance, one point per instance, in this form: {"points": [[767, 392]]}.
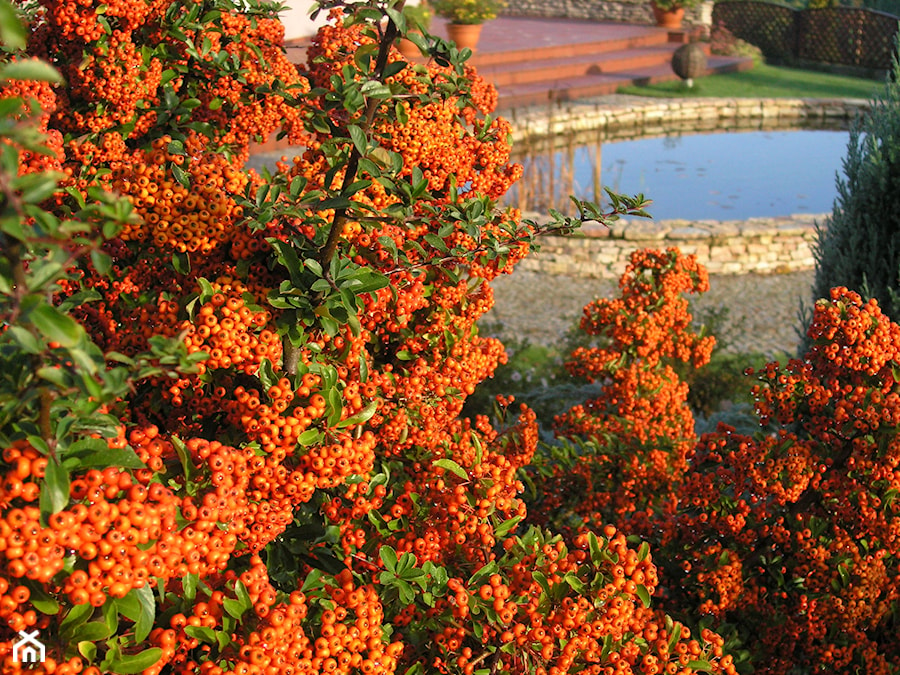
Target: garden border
{"points": [[758, 245]]}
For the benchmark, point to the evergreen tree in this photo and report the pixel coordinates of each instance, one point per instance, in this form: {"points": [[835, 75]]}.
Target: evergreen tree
{"points": [[859, 244]]}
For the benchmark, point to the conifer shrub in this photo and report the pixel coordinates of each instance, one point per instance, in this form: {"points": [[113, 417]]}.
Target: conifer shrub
{"points": [[858, 246]]}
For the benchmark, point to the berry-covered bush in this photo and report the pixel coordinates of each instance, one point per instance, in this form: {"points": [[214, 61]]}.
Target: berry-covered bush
{"points": [[639, 428], [785, 540], [230, 402]]}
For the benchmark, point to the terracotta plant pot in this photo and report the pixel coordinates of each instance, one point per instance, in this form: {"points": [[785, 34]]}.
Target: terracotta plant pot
{"points": [[408, 48], [668, 18], [464, 34]]}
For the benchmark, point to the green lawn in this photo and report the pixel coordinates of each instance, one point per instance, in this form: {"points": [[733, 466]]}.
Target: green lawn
{"points": [[766, 81]]}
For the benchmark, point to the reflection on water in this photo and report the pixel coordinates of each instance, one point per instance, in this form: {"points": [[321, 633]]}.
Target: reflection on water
{"points": [[706, 174]]}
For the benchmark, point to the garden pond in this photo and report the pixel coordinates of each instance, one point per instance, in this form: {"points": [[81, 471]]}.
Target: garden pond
{"points": [[710, 174]]}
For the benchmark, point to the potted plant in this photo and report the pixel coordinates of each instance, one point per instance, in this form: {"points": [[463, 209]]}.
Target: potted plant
{"points": [[418, 20], [670, 13], [466, 17]]}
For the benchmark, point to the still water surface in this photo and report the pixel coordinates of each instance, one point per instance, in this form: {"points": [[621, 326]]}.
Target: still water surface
{"points": [[718, 176]]}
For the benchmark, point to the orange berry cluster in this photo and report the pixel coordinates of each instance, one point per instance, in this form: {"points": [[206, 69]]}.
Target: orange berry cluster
{"points": [[195, 216], [39, 100], [596, 623], [337, 628], [114, 56]]}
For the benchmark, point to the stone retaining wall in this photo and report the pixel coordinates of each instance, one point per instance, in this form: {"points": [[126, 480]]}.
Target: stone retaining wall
{"points": [[759, 245], [624, 11], [634, 116]]}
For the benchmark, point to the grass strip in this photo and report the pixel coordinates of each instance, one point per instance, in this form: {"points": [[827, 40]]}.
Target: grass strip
{"points": [[764, 81]]}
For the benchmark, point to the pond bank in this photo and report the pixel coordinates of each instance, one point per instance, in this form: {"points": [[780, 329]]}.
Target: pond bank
{"points": [[624, 117]]}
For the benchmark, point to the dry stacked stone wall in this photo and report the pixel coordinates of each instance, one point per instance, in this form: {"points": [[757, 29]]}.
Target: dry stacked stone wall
{"points": [[625, 11], [760, 245]]}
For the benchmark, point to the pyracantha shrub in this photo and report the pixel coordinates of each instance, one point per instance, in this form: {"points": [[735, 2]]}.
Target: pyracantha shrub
{"points": [[785, 541], [231, 438], [639, 429]]}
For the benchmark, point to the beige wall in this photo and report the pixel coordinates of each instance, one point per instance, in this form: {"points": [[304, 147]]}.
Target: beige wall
{"points": [[296, 19], [297, 23]]}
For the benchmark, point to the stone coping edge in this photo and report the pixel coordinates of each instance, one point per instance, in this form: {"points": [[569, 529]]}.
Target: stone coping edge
{"points": [[614, 112]]}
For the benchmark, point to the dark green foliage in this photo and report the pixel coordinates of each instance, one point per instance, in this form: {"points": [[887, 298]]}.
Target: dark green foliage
{"points": [[859, 244]]}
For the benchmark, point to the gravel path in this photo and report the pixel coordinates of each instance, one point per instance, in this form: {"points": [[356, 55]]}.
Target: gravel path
{"points": [[762, 309]]}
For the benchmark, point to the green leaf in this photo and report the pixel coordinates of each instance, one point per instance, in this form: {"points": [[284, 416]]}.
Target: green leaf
{"points": [[596, 552], [32, 69], [389, 244], [88, 650], [181, 261], [101, 262], [266, 374], [407, 592], [55, 490], [181, 176], [93, 631], [436, 242], [12, 33], [452, 467], [41, 600], [361, 417], [131, 664], [234, 608], [388, 557], [125, 458], [506, 526], [144, 623], [55, 326], [186, 464], [201, 633], [129, 606], [242, 595], [77, 616], [358, 136], [376, 89], [308, 437], [335, 405], [642, 592], [407, 562], [674, 636], [702, 666], [26, 340], [643, 551], [189, 585]]}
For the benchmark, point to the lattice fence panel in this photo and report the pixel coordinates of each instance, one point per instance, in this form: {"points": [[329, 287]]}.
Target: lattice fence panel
{"points": [[846, 35], [768, 26]]}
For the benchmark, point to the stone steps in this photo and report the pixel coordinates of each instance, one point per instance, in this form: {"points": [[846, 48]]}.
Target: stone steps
{"points": [[568, 60], [535, 62]]}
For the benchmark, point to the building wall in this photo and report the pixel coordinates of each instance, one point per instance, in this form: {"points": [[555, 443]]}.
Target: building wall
{"points": [[295, 17], [297, 23]]}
